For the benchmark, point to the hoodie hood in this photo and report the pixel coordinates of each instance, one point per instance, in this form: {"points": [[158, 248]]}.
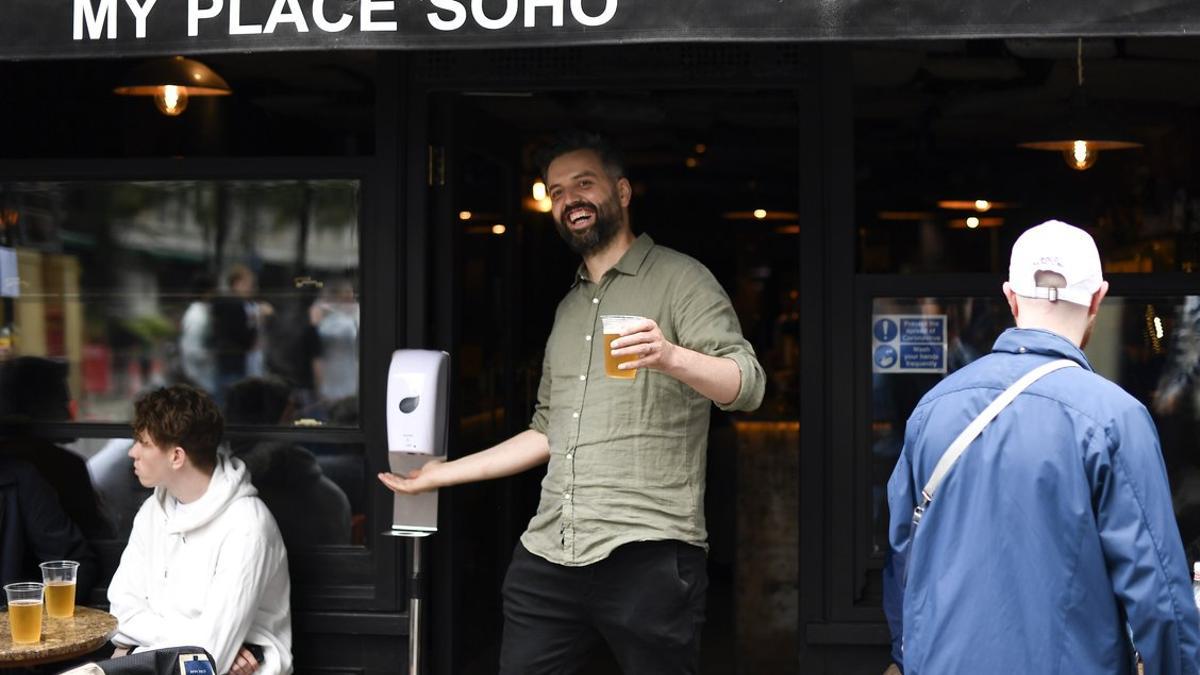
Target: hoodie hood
{"points": [[230, 482]]}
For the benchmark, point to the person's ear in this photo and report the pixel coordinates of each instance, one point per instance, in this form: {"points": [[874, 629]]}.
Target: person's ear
{"points": [[1097, 297], [178, 457], [624, 191], [1011, 296]]}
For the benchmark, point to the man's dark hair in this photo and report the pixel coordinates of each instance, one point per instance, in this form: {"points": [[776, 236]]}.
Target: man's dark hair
{"points": [[182, 416], [257, 400], [577, 139], [34, 388]]}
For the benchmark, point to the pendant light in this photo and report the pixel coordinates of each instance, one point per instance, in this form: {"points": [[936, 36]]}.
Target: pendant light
{"points": [[1084, 134], [172, 81]]}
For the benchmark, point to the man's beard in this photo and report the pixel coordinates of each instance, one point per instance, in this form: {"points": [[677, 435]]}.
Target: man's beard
{"points": [[604, 227]]}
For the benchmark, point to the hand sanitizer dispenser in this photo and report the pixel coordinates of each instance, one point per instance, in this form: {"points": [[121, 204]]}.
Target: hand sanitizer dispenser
{"points": [[417, 393]]}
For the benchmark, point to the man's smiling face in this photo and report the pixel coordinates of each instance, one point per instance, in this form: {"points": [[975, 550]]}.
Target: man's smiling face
{"points": [[586, 200]]}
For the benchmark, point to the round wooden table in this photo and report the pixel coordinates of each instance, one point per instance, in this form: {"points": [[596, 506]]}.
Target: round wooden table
{"points": [[62, 639]]}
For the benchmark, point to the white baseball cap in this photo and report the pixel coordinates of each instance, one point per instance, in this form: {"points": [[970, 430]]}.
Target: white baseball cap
{"points": [[1055, 246]]}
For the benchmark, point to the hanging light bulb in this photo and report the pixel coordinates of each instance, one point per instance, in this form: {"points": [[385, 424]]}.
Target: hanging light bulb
{"points": [[171, 82], [539, 190], [171, 99], [1085, 134], [1081, 156]]}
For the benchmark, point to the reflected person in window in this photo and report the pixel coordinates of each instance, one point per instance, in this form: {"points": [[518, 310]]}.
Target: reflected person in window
{"points": [[236, 320], [616, 550], [335, 317], [196, 335], [310, 509], [1052, 538]]}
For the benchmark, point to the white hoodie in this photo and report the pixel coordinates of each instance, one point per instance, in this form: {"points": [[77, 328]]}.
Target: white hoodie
{"points": [[212, 574]]}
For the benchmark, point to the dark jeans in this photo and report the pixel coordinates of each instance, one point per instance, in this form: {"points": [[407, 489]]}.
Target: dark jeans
{"points": [[646, 600]]}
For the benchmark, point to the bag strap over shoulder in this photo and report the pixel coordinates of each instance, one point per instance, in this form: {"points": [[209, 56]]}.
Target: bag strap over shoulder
{"points": [[960, 444]]}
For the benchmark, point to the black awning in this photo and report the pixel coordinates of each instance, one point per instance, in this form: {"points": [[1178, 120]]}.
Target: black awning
{"points": [[83, 28]]}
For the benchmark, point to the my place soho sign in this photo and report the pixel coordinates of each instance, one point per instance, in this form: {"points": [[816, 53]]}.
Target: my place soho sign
{"points": [[80, 28]]}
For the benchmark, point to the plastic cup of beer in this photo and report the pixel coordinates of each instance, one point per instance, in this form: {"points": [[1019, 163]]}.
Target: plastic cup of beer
{"points": [[59, 578], [25, 611], [614, 325]]}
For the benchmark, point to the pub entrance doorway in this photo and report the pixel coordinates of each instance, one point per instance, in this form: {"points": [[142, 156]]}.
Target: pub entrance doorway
{"points": [[715, 174]]}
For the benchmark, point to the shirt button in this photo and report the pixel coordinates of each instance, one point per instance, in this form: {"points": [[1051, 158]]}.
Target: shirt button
{"points": [[595, 301], [1022, 350], [582, 378], [570, 455], [587, 337], [567, 496], [575, 415]]}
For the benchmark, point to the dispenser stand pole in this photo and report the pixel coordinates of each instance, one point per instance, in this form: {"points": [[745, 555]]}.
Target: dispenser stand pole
{"points": [[417, 595]]}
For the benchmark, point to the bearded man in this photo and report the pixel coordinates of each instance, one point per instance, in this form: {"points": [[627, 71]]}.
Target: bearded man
{"points": [[616, 551]]}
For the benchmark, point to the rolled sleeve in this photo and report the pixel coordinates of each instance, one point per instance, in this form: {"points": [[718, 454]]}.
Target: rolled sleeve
{"points": [[750, 395], [708, 324]]}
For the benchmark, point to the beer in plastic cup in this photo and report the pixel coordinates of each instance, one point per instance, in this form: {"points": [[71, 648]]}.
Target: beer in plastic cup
{"points": [[59, 578], [614, 325], [25, 611]]}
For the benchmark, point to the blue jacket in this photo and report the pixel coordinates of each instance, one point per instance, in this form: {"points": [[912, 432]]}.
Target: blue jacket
{"points": [[1052, 532]]}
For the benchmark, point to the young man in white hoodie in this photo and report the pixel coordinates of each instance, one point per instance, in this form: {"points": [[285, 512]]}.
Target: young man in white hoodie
{"points": [[205, 564]]}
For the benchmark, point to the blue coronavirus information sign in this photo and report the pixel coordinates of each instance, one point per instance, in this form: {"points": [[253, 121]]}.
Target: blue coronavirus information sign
{"points": [[908, 343]]}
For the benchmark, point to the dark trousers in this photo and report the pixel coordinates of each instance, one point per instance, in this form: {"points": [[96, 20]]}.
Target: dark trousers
{"points": [[646, 600]]}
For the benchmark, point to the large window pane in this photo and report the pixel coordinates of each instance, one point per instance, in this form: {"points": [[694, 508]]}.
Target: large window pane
{"points": [[138, 284]]}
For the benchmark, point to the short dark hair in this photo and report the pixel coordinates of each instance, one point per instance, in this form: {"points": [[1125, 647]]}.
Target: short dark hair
{"points": [[182, 416], [257, 400], [578, 139]]}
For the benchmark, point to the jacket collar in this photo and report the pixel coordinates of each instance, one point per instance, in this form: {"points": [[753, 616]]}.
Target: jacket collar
{"points": [[629, 264], [1039, 341]]}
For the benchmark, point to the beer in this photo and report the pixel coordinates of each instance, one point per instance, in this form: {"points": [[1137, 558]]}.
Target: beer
{"points": [[614, 326], [25, 620], [611, 362], [60, 599], [59, 578]]}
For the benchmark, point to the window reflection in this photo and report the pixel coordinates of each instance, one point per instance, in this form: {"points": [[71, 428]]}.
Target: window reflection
{"points": [[140, 284]]}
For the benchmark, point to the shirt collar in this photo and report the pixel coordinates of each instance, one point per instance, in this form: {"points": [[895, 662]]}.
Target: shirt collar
{"points": [[630, 263], [1039, 341]]}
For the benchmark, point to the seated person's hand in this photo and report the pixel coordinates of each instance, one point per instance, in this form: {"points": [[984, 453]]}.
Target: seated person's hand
{"points": [[244, 663]]}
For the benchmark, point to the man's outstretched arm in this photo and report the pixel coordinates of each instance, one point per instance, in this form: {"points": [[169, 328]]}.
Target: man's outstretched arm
{"points": [[519, 453]]}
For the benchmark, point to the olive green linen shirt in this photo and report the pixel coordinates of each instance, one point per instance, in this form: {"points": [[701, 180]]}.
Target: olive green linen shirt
{"points": [[627, 457]]}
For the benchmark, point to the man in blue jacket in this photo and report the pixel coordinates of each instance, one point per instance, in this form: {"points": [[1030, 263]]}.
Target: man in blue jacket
{"points": [[1052, 539]]}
